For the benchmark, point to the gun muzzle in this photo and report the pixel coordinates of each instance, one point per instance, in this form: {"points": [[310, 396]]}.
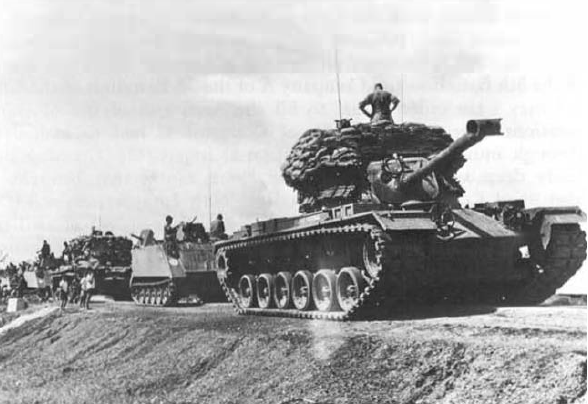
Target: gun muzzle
{"points": [[484, 127], [476, 130]]}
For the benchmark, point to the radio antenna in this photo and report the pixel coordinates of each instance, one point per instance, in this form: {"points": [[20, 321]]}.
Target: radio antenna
{"points": [[402, 97], [338, 82], [209, 188]]}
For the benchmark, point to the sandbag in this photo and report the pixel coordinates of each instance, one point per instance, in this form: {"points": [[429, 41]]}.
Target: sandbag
{"points": [[324, 160]]}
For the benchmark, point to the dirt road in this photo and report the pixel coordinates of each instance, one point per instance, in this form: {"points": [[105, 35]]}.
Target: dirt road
{"points": [[120, 353]]}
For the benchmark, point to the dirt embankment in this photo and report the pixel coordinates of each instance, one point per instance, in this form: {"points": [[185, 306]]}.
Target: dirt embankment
{"points": [[123, 354]]}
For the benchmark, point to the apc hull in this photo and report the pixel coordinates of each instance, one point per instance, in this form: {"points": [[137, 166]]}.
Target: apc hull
{"points": [[161, 280]]}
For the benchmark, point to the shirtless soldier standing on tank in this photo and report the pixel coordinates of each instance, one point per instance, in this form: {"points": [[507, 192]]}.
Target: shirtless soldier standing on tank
{"points": [[380, 101]]}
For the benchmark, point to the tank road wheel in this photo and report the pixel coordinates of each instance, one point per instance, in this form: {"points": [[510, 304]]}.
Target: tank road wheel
{"points": [[301, 290], [148, 296], [158, 295], [165, 296], [135, 295], [247, 291], [350, 285], [265, 290], [282, 283], [142, 296], [324, 290]]}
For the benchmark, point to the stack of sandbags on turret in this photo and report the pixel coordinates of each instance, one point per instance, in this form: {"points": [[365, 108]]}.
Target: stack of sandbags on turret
{"points": [[328, 167], [407, 139], [111, 249], [317, 149], [355, 147], [105, 248]]}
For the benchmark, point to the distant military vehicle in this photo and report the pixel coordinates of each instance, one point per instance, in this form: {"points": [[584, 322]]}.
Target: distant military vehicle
{"points": [[29, 278], [39, 283], [165, 272], [382, 226], [107, 255]]}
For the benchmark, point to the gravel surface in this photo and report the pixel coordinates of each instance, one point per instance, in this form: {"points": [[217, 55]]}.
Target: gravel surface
{"points": [[120, 353]]}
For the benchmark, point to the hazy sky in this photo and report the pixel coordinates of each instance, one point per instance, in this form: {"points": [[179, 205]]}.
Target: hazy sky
{"points": [[117, 112]]}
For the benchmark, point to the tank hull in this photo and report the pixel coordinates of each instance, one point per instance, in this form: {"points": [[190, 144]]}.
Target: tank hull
{"points": [[109, 280], [109, 258], [356, 262]]}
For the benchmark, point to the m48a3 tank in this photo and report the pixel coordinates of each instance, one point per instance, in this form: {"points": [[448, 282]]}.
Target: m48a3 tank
{"points": [[165, 272], [382, 226]]}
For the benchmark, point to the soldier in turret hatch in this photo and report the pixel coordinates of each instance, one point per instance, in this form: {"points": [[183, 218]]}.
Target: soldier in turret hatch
{"points": [[169, 235], [217, 228], [45, 252], [67, 252], [380, 101]]}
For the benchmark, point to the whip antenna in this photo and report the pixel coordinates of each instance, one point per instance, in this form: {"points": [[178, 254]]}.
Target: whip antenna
{"points": [[209, 197], [209, 188], [402, 97], [338, 82]]}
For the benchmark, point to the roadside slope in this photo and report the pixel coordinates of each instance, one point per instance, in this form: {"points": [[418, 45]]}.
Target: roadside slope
{"points": [[123, 354]]}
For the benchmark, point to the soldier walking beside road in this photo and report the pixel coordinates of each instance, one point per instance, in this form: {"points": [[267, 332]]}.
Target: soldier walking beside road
{"points": [[88, 284], [75, 289], [63, 289], [21, 284], [380, 101]]}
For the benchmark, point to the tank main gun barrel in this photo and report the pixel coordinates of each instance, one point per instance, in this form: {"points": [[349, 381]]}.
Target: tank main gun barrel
{"points": [[476, 130]]}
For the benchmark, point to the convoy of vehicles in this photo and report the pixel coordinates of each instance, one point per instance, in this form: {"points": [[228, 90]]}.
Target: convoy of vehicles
{"points": [[382, 226]]}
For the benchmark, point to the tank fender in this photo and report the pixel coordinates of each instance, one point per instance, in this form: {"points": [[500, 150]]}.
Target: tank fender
{"points": [[420, 221], [542, 219]]}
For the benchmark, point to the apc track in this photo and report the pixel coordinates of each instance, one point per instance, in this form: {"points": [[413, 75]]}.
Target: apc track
{"points": [[162, 293]]}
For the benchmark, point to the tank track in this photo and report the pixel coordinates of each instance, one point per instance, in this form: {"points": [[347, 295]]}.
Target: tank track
{"points": [[157, 294], [386, 287], [562, 258], [401, 275]]}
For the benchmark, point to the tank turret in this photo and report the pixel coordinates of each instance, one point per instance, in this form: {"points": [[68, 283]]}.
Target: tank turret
{"points": [[387, 164], [397, 179]]}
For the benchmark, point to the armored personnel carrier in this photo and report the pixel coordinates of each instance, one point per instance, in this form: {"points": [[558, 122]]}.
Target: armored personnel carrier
{"points": [[165, 272], [107, 255], [382, 226]]}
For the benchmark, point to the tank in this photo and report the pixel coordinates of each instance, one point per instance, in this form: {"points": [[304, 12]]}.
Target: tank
{"points": [[381, 226], [109, 256], [164, 272]]}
